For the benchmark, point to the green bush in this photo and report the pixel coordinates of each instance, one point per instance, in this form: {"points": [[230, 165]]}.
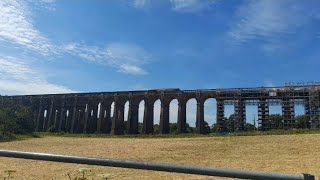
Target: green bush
{"points": [[14, 119]]}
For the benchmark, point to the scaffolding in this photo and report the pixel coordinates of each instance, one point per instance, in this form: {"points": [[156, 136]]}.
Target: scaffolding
{"points": [[306, 94], [288, 113], [220, 116], [314, 108], [288, 103], [240, 115], [307, 112], [239, 112], [263, 115]]}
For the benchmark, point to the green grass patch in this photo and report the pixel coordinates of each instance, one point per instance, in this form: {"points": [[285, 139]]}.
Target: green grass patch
{"points": [[5, 137], [14, 137]]}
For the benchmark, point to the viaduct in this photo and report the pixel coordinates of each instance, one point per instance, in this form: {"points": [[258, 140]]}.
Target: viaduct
{"points": [[78, 112]]}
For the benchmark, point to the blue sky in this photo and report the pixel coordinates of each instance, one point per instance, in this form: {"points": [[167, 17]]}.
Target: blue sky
{"points": [[57, 46]]}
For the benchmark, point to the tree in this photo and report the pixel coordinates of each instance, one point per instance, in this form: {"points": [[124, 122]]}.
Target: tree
{"points": [[301, 122], [15, 118], [189, 129], [276, 121], [249, 127], [173, 128], [206, 127], [230, 123], [214, 128], [156, 129]]}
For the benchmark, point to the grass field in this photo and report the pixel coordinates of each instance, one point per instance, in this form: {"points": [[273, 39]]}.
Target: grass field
{"points": [[275, 153]]}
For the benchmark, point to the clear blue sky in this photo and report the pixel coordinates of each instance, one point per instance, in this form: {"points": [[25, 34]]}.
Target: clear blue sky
{"points": [[56, 46]]}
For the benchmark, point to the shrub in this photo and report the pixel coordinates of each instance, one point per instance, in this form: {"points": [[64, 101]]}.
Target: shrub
{"points": [[14, 119]]}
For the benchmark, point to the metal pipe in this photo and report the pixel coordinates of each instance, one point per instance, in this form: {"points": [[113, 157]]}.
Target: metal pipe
{"points": [[155, 166]]}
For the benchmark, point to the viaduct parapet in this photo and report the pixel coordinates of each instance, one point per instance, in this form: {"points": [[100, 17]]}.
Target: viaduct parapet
{"points": [[78, 112]]}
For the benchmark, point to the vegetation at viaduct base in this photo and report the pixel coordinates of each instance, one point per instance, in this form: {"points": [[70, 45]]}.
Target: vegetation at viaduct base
{"points": [[275, 123], [14, 119]]}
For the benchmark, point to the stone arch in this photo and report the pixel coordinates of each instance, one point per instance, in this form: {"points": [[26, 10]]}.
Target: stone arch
{"points": [[148, 121], [44, 115], [104, 119], [118, 116], [73, 112], [66, 122], [92, 115], [132, 126], [42, 119]]}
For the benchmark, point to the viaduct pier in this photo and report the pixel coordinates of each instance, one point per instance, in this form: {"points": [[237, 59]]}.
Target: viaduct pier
{"points": [[91, 112]]}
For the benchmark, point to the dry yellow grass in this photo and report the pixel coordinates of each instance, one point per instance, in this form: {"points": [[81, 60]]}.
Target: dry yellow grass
{"points": [[276, 153]]}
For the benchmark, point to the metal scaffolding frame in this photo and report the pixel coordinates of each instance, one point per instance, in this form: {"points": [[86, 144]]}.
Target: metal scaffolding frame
{"points": [[306, 94]]}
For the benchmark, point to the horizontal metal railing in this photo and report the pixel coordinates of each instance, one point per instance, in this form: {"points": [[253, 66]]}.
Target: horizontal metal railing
{"points": [[155, 166]]}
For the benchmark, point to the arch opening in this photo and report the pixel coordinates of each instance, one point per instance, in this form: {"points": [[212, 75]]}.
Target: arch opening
{"points": [[173, 115], [141, 115], [229, 116], [210, 114], [191, 115], [112, 110], [126, 115], [156, 116], [99, 110], [302, 121], [251, 117], [275, 116]]}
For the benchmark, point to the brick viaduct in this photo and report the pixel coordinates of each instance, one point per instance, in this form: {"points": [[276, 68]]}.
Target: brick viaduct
{"points": [[78, 112]]}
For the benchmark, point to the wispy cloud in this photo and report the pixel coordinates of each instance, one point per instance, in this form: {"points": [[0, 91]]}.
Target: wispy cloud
{"points": [[130, 69], [16, 27], [269, 20], [18, 77], [44, 4], [269, 83], [127, 58], [141, 3], [192, 6], [181, 6]]}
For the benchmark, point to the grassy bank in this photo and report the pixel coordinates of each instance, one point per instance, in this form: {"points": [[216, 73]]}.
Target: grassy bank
{"points": [[185, 135], [12, 137], [4, 137], [7, 137]]}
